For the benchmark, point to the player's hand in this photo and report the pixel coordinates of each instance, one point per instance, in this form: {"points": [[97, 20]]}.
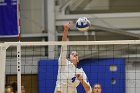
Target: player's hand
{"points": [[67, 26], [58, 91], [79, 77]]}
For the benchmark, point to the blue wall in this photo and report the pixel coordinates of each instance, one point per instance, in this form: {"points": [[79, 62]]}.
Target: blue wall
{"points": [[97, 71]]}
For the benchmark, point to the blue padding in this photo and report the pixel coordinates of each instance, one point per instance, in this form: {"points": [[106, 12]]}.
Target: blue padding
{"points": [[47, 75], [97, 71]]}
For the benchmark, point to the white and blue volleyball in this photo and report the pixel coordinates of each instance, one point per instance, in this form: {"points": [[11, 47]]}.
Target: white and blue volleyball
{"points": [[82, 24]]}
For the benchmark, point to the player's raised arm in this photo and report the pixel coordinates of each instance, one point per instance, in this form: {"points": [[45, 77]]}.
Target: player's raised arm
{"points": [[63, 53], [84, 82], [65, 33], [62, 59]]}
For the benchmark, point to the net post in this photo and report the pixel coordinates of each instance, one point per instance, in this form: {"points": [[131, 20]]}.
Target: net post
{"points": [[2, 68], [19, 67]]}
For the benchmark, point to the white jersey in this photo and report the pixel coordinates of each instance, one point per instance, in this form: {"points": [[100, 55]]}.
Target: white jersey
{"points": [[66, 79]]}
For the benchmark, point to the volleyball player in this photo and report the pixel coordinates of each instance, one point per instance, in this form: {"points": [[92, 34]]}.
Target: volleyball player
{"points": [[23, 89], [69, 76], [97, 88], [9, 89]]}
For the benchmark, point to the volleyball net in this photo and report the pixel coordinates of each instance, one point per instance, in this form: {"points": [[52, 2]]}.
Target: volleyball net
{"points": [[113, 64]]}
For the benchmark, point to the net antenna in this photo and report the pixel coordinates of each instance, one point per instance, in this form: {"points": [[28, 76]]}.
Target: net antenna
{"points": [[18, 50]]}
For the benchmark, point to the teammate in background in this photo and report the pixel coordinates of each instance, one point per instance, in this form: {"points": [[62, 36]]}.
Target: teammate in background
{"points": [[97, 88], [69, 76], [14, 86], [23, 89]]}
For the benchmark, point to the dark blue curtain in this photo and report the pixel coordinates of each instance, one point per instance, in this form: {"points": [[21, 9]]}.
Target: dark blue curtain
{"points": [[8, 18]]}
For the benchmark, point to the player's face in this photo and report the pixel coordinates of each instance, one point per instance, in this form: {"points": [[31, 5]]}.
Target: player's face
{"points": [[97, 89], [74, 57]]}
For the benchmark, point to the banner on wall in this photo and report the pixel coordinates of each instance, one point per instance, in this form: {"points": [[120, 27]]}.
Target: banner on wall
{"points": [[8, 18]]}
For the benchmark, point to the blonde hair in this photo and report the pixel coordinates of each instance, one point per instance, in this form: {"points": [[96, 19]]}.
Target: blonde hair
{"points": [[9, 89]]}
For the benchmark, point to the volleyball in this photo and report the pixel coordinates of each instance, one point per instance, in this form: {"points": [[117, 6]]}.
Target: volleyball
{"points": [[82, 24]]}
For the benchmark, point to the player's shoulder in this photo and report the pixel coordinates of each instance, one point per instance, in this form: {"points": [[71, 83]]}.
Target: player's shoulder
{"points": [[68, 62], [80, 70]]}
